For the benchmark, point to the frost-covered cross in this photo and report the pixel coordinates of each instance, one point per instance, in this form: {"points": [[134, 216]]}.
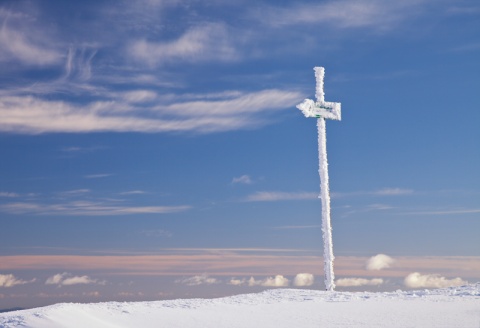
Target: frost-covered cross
{"points": [[322, 110]]}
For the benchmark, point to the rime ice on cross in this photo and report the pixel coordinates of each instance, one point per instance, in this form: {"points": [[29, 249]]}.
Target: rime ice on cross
{"points": [[322, 110]]}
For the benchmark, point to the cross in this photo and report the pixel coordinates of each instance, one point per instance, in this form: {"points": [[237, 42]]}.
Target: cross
{"points": [[322, 110]]}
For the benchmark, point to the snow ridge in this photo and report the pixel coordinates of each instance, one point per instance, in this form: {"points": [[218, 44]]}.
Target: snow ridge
{"points": [[276, 308]]}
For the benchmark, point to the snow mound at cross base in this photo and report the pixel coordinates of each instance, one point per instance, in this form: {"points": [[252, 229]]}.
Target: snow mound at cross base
{"points": [[449, 307]]}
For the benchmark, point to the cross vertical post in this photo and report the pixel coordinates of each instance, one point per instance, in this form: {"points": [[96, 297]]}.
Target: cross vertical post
{"points": [[323, 110]]}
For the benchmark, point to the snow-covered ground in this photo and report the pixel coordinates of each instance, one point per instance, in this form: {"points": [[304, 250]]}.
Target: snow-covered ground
{"points": [[449, 307]]}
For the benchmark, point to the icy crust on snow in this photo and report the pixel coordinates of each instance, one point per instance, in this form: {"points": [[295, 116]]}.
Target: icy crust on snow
{"points": [[449, 307]]}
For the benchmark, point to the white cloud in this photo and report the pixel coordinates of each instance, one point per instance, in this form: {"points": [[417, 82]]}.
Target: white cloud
{"points": [[244, 179], [460, 8], [303, 279], [298, 227], [203, 279], [417, 280], [55, 279], [446, 212], [9, 280], [237, 282], [75, 149], [380, 192], [376, 14], [393, 192], [379, 207], [234, 103], [66, 279], [272, 196], [87, 209], [33, 115], [75, 192], [18, 45], [78, 280], [78, 64], [8, 194], [206, 42], [133, 192], [140, 96], [96, 176], [379, 262], [137, 16], [277, 281], [357, 282]]}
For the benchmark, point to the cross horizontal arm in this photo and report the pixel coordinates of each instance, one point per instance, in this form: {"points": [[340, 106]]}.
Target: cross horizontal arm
{"points": [[320, 108], [330, 110]]}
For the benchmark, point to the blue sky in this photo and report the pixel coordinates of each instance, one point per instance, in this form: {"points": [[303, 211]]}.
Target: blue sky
{"points": [[152, 149]]}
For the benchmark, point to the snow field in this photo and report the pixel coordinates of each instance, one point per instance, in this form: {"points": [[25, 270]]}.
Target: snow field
{"points": [[450, 307]]}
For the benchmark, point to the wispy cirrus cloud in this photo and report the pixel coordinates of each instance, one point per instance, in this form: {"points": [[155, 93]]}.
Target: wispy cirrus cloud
{"points": [[445, 211], [206, 42], [133, 192], [79, 150], [8, 194], [34, 115], [243, 179], [97, 176], [139, 16], [235, 103], [78, 64], [74, 192], [54, 106], [87, 208], [21, 41], [274, 196], [392, 192], [378, 192], [344, 14], [297, 227], [75, 79], [457, 8]]}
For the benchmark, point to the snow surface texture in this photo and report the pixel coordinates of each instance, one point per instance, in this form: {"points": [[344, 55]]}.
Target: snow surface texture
{"points": [[448, 308]]}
